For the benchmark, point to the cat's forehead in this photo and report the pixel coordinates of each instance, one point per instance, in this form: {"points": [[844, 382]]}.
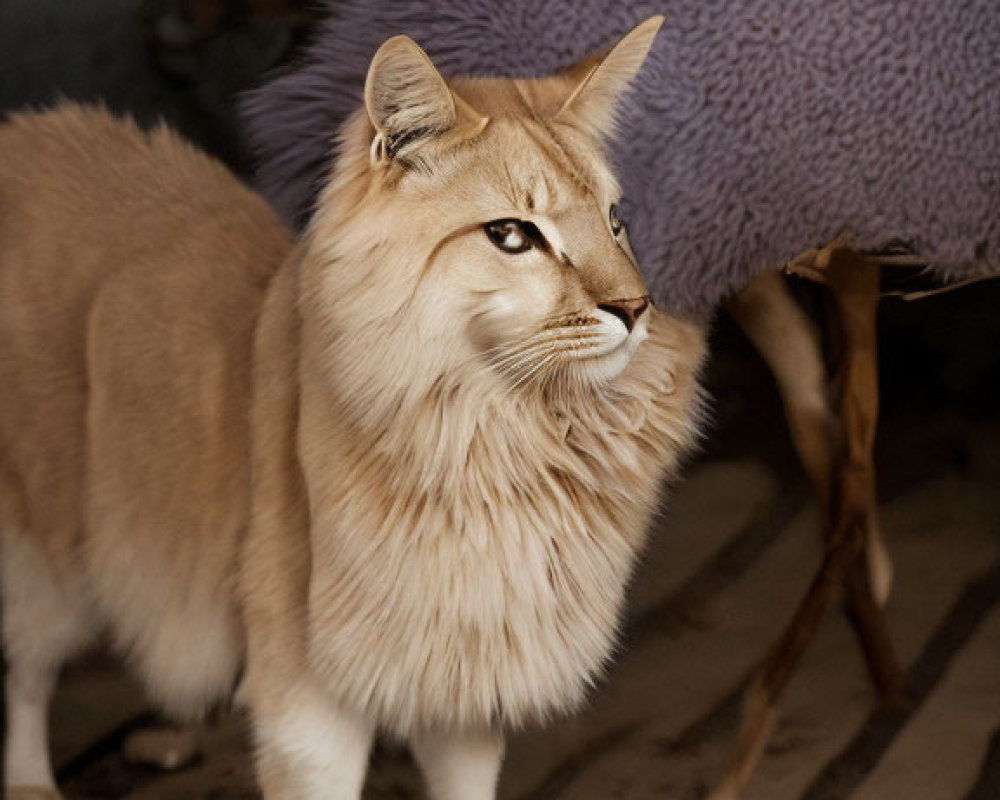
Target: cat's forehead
{"points": [[545, 167], [525, 127]]}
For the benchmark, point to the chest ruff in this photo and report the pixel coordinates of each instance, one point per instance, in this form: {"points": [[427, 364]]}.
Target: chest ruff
{"points": [[486, 587]]}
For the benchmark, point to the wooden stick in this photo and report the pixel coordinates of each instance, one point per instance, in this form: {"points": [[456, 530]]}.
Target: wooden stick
{"points": [[854, 285], [776, 670]]}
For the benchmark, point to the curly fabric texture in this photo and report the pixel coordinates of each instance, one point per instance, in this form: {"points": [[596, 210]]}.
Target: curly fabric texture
{"points": [[756, 130]]}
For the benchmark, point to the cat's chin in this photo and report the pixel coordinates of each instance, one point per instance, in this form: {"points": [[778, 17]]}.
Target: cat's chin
{"points": [[609, 365]]}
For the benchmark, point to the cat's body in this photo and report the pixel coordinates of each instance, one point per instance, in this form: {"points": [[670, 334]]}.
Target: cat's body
{"points": [[132, 267], [355, 473], [131, 270]]}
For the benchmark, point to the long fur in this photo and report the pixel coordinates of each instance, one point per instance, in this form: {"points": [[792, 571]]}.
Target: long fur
{"points": [[396, 476], [503, 508], [760, 128]]}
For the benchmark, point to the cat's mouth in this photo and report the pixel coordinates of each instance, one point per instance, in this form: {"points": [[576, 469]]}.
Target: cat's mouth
{"points": [[587, 349], [612, 355]]}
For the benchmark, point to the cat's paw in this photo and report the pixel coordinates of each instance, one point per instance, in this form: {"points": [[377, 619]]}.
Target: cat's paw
{"points": [[32, 793], [165, 748]]}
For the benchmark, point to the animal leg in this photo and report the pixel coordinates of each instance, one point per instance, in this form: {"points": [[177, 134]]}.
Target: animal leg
{"points": [[45, 622], [854, 284], [460, 767], [309, 748], [789, 343]]}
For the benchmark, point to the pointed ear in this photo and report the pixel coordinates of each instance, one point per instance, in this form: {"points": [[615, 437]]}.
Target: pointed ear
{"points": [[409, 102], [593, 103]]}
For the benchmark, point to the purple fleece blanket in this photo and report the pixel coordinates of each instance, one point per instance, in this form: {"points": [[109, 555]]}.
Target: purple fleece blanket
{"points": [[757, 129]]}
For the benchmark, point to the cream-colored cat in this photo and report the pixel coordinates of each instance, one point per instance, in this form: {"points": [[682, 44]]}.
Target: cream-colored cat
{"points": [[394, 478]]}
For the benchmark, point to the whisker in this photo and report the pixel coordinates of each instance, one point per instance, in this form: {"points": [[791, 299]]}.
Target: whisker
{"points": [[530, 368], [542, 353], [520, 373], [533, 370], [514, 362]]}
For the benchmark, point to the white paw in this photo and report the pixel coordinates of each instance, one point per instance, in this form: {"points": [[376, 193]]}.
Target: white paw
{"points": [[165, 748]]}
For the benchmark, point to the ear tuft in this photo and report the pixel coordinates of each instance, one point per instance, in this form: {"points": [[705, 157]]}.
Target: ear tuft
{"points": [[594, 101], [406, 98]]}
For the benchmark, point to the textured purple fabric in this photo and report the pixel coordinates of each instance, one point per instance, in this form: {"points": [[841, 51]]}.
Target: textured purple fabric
{"points": [[758, 128]]}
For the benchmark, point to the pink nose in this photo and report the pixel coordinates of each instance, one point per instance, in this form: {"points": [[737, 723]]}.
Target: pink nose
{"points": [[628, 311]]}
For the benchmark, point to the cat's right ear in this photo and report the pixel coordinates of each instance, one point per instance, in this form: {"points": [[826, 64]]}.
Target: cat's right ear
{"points": [[603, 79], [409, 103]]}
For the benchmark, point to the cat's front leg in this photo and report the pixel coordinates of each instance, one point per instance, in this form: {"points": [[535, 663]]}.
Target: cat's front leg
{"points": [[459, 766], [310, 749]]}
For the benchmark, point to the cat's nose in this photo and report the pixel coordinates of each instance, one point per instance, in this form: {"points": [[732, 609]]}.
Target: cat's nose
{"points": [[628, 311]]}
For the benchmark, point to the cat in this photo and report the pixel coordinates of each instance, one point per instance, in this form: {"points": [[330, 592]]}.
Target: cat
{"points": [[391, 478]]}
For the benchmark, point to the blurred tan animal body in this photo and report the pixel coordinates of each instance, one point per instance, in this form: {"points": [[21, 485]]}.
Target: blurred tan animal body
{"points": [[393, 478]]}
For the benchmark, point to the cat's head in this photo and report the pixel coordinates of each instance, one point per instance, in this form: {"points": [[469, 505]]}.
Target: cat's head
{"points": [[475, 221]]}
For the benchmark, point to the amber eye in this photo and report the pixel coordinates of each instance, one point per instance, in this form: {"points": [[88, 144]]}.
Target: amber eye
{"points": [[617, 226], [511, 235]]}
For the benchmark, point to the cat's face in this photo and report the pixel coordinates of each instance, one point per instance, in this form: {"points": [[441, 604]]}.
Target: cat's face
{"points": [[513, 251], [531, 253]]}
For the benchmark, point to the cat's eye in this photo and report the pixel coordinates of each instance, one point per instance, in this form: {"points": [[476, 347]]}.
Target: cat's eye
{"points": [[511, 235], [617, 226]]}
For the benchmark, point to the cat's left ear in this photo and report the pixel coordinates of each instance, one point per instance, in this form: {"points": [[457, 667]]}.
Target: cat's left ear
{"points": [[409, 103], [603, 79]]}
